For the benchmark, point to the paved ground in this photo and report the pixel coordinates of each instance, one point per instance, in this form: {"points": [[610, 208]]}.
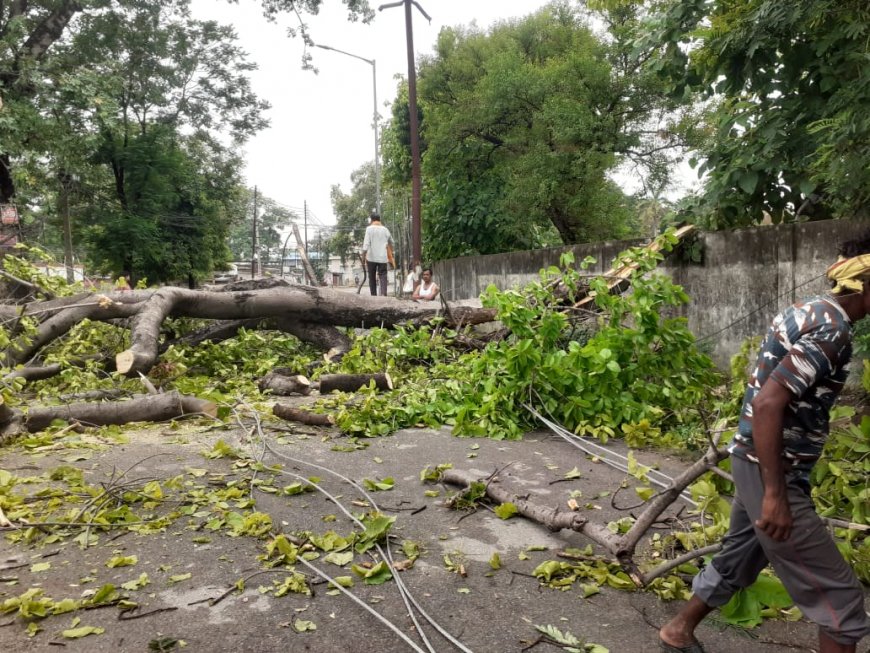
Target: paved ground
{"points": [[489, 611]]}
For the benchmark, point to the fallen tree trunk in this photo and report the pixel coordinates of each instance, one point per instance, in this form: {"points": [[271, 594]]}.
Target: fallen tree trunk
{"points": [[353, 382], [279, 384], [150, 408], [303, 416], [321, 306]]}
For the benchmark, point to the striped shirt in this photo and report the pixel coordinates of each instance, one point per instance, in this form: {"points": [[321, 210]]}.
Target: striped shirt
{"points": [[807, 350]]}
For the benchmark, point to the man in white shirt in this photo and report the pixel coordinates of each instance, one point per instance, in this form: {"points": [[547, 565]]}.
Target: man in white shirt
{"points": [[375, 254]]}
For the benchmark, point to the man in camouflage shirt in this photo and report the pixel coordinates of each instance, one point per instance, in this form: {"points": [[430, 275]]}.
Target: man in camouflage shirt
{"points": [[800, 370]]}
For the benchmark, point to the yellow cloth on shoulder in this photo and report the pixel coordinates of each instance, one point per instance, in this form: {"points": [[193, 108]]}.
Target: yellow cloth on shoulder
{"points": [[845, 272]]}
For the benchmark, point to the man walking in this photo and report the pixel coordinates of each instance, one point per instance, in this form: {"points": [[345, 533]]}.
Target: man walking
{"points": [[800, 370], [376, 246]]}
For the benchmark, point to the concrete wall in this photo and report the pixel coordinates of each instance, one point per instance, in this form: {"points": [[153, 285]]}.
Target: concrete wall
{"points": [[746, 277]]}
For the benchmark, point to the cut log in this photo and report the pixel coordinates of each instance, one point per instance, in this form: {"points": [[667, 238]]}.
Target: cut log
{"points": [[279, 384], [151, 408], [303, 416], [353, 382]]}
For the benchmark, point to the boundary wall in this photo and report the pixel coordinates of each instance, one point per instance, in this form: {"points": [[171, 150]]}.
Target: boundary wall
{"points": [[745, 278]]}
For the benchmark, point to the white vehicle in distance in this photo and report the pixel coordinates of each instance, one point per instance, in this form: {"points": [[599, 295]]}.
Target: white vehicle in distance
{"points": [[227, 276]]}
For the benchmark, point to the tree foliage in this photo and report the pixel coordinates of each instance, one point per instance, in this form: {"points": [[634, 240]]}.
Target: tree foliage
{"points": [[523, 127], [789, 132], [122, 110]]}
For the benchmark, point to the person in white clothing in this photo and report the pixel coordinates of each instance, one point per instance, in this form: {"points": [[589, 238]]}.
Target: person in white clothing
{"points": [[428, 289], [411, 280], [376, 253]]}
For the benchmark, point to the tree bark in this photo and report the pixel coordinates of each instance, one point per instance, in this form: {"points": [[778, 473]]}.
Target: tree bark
{"points": [[321, 306], [150, 408], [353, 382], [303, 416], [282, 385], [553, 518]]}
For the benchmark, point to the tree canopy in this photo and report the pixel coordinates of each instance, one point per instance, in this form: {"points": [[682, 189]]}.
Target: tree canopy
{"points": [[124, 117], [789, 81], [523, 128]]}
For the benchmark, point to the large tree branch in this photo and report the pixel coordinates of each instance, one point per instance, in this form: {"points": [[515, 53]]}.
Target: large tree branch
{"points": [[309, 305], [49, 30]]}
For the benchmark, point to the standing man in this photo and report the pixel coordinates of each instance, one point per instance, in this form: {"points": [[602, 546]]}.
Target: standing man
{"points": [[800, 370], [376, 243]]}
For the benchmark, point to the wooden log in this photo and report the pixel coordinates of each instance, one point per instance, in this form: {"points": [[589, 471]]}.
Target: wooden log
{"points": [[303, 416], [150, 408], [353, 382], [279, 384]]}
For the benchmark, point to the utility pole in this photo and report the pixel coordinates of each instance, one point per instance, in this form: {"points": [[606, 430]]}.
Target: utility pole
{"points": [[255, 241], [416, 224], [305, 227], [65, 181]]}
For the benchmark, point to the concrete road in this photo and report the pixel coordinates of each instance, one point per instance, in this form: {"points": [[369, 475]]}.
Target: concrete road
{"points": [[488, 611]]}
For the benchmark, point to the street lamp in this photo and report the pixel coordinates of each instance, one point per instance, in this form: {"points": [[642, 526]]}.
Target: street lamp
{"points": [[371, 62]]}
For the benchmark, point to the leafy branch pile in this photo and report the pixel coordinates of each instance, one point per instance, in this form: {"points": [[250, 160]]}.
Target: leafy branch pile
{"points": [[624, 367]]}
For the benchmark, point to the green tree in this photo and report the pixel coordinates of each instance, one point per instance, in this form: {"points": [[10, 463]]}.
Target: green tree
{"points": [[31, 32], [524, 126], [790, 130]]}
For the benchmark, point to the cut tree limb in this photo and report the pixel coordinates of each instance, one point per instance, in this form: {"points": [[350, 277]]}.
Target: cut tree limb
{"points": [[553, 518], [280, 384], [303, 416], [353, 382], [151, 408]]}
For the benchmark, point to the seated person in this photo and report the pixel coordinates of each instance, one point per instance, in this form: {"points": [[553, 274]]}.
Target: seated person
{"points": [[427, 290]]}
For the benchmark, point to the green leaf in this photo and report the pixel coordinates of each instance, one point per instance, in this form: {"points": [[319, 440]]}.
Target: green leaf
{"points": [[505, 510], [377, 575], [122, 561], [339, 558], [379, 485], [495, 560], [302, 626], [83, 631], [177, 578], [748, 180]]}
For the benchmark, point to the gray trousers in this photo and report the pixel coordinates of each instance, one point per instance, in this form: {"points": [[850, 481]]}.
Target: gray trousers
{"points": [[817, 578]]}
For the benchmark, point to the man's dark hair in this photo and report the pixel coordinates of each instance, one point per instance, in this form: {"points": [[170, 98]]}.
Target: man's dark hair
{"points": [[374, 216], [856, 247]]}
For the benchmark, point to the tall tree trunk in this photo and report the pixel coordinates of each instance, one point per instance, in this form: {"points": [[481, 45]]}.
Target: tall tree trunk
{"points": [[7, 186]]}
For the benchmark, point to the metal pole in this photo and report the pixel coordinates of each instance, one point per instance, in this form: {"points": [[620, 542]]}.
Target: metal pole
{"points": [[254, 240], [416, 230], [375, 121], [377, 148], [305, 244]]}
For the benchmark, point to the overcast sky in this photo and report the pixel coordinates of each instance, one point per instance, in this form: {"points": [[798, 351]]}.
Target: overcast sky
{"points": [[322, 124]]}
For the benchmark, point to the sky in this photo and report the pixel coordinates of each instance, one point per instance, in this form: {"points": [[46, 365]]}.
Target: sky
{"points": [[321, 124]]}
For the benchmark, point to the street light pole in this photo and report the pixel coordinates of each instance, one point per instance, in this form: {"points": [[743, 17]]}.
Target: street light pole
{"points": [[372, 63]]}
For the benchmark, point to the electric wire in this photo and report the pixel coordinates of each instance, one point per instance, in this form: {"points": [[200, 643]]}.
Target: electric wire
{"points": [[606, 455], [388, 555], [322, 574]]}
